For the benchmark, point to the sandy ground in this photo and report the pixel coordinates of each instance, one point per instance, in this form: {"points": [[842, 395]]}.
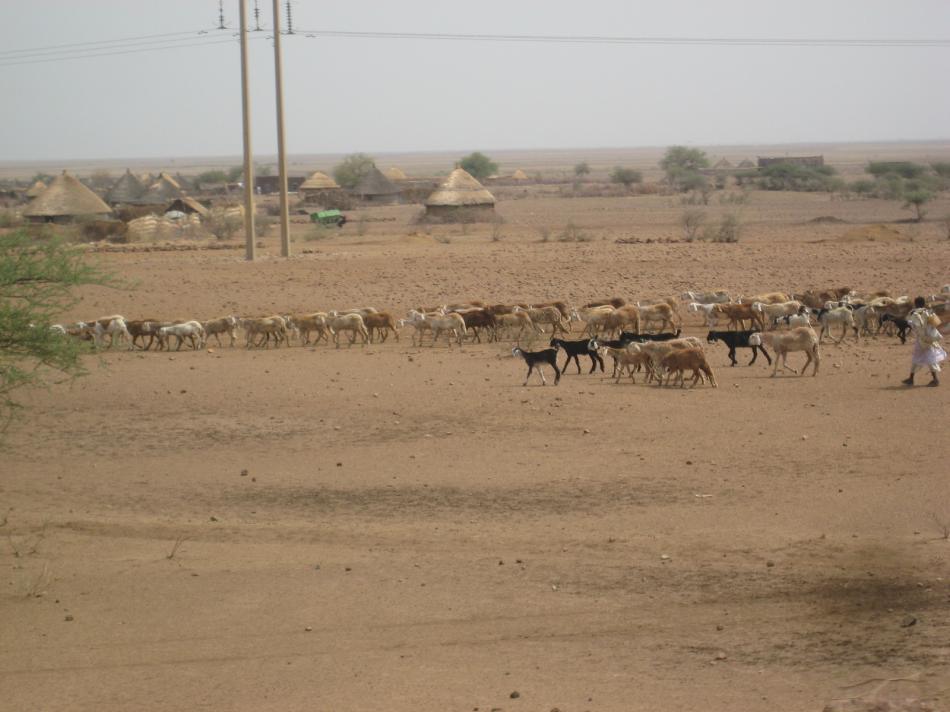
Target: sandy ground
{"points": [[408, 528]]}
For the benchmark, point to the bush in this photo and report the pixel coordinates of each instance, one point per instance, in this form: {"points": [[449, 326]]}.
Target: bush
{"points": [[941, 168], [792, 176], [572, 233], [728, 230], [582, 169], [692, 221], [352, 169], [223, 225], [8, 218], [625, 176], [863, 187], [916, 199], [478, 165], [904, 169]]}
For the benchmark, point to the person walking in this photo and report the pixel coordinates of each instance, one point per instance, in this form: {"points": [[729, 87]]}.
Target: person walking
{"points": [[927, 350]]}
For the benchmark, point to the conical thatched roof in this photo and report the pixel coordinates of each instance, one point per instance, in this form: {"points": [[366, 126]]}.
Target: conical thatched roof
{"points": [[519, 175], [747, 164], [460, 189], [66, 197], [318, 181], [164, 189], [36, 189], [128, 189], [375, 183], [395, 174], [722, 164]]}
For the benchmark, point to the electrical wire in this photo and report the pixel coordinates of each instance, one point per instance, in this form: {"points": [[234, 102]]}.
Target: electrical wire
{"points": [[96, 42], [621, 40]]}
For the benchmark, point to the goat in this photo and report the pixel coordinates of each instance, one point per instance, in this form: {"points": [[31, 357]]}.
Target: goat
{"points": [[707, 310], [629, 359], [141, 328], [630, 337], [535, 359], [715, 297], [615, 302], [767, 298], [352, 323], [316, 322], [224, 325], [737, 314], [738, 340], [560, 306], [770, 312], [658, 349], [802, 338], [478, 319], [545, 315], [680, 360], [382, 323], [573, 349], [191, 330], [662, 312], [839, 315], [111, 326], [515, 320], [266, 327], [803, 318], [902, 325]]}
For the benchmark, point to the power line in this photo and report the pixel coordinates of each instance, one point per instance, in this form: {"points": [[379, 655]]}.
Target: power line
{"points": [[94, 42], [207, 43], [622, 40], [110, 47]]}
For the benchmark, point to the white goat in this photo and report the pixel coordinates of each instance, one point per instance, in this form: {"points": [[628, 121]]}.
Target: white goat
{"points": [[801, 339], [191, 330], [838, 315]]}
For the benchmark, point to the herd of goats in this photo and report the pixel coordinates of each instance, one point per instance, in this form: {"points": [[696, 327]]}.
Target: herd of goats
{"points": [[637, 337]]}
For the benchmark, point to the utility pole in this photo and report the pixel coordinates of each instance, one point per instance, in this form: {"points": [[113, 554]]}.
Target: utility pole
{"points": [[281, 148], [250, 247]]}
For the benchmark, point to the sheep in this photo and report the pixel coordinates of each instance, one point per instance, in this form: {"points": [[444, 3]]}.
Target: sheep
{"points": [[802, 338], [662, 312], [382, 323], [191, 330], [515, 320], [352, 323], [738, 340], [573, 349], [737, 314], [680, 360], [545, 315], [266, 327], [839, 315], [715, 297], [535, 359], [316, 322], [769, 312], [224, 325]]}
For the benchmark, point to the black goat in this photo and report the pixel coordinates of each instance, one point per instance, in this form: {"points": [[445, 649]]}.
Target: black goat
{"points": [[902, 326], [630, 337], [738, 340], [536, 358], [573, 349]]}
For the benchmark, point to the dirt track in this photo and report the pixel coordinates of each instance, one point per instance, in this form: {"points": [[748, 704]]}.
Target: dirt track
{"points": [[417, 531]]}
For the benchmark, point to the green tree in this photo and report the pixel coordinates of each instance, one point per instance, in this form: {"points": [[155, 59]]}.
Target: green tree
{"points": [[36, 285], [625, 176], [941, 168], [916, 199], [352, 169], [681, 164], [235, 174], [904, 169], [479, 165], [582, 169]]}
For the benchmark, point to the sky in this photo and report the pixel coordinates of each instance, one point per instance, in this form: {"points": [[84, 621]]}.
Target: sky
{"points": [[377, 95]]}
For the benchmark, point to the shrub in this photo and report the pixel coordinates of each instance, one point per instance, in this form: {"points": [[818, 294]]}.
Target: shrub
{"points": [[478, 165], [582, 169], [916, 199], [625, 176], [791, 176], [223, 224], [692, 221], [941, 168], [572, 233], [863, 186], [904, 169]]}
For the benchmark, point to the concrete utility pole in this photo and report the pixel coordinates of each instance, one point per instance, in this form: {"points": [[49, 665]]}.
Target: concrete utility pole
{"points": [[281, 149], [250, 246]]}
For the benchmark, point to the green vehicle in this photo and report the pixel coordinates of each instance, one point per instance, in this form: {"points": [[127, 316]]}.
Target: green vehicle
{"points": [[329, 217]]}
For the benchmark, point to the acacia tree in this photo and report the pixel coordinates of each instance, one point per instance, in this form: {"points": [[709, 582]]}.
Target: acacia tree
{"points": [[682, 165], [625, 176], [916, 199], [36, 285], [352, 169], [582, 169], [478, 165]]}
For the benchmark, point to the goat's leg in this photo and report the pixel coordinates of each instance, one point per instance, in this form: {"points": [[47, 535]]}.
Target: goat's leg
{"points": [[541, 373], [526, 378], [807, 361], [596, 356], [732, 356]]}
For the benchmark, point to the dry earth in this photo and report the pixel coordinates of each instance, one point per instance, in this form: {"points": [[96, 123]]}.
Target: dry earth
{"points": [[409, 529]]}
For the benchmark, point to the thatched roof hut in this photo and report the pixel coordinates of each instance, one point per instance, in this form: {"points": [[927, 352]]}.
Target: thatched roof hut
{"points": [[374, 187], [746, 164], [519, 175], [35, 189], [187, 205], [722, 165], [320, 189], [459, 193], [319, 181], [66, 198], [128, 190], [394, 174], [163, 190]]}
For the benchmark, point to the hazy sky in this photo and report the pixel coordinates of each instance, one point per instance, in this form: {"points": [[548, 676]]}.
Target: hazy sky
{"points": [[379, 95]]}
